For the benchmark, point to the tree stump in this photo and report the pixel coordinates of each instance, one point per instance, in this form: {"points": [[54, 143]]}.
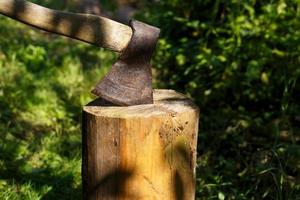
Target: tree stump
{"points": [[140, 152]]}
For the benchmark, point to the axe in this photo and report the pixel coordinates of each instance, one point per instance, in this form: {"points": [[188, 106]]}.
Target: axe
{"points": [[129, 82]]}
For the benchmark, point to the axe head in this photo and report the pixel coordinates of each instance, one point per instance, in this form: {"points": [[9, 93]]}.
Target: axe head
{"points": [[129, 82]]}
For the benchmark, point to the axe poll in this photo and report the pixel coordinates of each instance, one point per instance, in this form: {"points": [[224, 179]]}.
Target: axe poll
{"points": [[129, 82]]}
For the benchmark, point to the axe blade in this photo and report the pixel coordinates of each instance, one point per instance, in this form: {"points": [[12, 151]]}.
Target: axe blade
{"points": [[129, 82]]}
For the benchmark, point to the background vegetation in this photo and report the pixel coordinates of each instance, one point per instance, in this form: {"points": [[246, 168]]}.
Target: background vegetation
{"points": [[238, 60]]}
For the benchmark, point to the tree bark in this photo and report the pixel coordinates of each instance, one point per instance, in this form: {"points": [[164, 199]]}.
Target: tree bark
{"points": [[126, 10], [91, 7]]}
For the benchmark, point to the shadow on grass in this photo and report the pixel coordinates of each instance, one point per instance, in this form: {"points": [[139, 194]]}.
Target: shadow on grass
{"points": [[17, 149]]}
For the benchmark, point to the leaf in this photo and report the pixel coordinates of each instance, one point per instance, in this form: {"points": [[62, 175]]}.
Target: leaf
{"points": [[221, 196], [281, 7], [264, 78]]}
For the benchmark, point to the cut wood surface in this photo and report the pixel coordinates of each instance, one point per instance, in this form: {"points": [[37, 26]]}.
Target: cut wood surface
{"points": [[140, 152], [92, 29]]}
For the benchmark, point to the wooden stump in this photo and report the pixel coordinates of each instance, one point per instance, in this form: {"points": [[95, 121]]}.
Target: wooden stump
{"points": [[140, 152]]}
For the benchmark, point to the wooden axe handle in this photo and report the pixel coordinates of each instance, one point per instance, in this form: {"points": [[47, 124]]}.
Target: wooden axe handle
{"points": [[92, 29]]}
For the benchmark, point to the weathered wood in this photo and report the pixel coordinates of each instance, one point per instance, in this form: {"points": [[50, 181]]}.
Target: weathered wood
{"points": [[92, 29], [140, 152]]}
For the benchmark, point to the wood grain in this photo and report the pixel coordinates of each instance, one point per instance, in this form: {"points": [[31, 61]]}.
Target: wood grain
{"points": [[92, 29], [145, 152]]}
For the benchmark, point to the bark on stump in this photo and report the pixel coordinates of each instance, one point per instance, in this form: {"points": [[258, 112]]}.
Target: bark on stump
{"points": [[140, 152]]}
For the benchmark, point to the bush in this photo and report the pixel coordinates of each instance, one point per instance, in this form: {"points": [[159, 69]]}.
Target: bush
{"points": [[239, 60]]}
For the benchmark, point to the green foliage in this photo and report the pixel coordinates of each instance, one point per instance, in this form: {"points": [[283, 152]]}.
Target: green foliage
{"points": [[44, 82], [240, 61]]}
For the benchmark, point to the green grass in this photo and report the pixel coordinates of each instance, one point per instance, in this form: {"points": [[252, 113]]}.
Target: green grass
{"points": [[44, 82], [249, 141]]}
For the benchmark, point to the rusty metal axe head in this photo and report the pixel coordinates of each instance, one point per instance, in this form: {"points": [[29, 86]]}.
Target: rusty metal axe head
{"points": [[130, 81]]}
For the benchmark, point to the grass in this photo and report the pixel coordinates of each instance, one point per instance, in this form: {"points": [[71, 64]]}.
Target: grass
{"points": [[44, 82]]}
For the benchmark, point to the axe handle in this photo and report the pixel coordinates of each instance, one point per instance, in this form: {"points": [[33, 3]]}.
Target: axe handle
{"points": [[92, 29]]}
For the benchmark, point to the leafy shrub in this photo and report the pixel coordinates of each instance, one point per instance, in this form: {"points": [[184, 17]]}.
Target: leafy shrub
{"points": [[239, 60]]}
